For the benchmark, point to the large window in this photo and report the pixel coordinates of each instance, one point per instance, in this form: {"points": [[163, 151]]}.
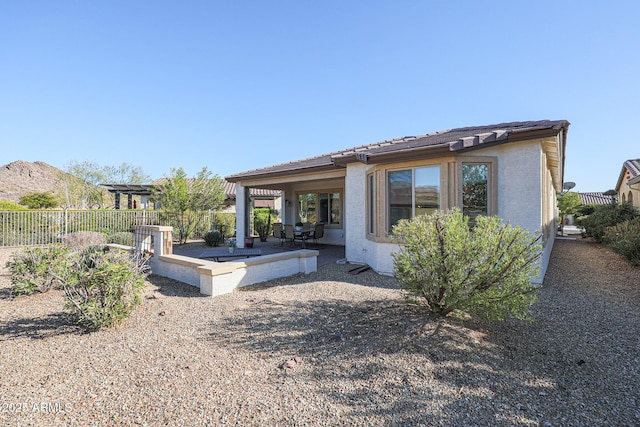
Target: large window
{"points": [[320, 207], [412, 192], [475, 189]]}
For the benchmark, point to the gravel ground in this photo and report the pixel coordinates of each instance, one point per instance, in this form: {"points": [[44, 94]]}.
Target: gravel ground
{"points": [[365, 357]]}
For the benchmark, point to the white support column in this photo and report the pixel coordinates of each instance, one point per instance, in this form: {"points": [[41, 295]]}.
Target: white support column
{"points": [[242, 206]]}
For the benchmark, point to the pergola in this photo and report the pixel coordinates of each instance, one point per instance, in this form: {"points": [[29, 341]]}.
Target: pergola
{"points": [[130, 190]]}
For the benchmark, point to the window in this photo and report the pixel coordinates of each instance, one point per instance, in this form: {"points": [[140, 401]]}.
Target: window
{"points": [[475, 190], [320, 207], [371, 205], [412, 192]]}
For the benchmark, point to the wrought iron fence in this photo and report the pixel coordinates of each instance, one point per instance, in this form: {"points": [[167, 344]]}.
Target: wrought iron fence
{"points": [[26, 228]]}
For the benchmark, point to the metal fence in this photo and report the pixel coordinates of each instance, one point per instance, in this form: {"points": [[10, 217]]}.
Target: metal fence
{"points": [[25, 228]]}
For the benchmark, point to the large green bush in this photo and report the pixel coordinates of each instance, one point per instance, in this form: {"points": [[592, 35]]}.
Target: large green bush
{"points": [[624, 238], [106, 286], [485, 270], [604, 216], [37, 269]]}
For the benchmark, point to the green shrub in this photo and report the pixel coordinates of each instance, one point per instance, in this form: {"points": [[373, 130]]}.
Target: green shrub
{"points": [[226, 224], [604, 216], [451, 268], [37, 269], [106, 288], [262, 222], [124, 238], [6, 205], [213, 238], [624, 238]]}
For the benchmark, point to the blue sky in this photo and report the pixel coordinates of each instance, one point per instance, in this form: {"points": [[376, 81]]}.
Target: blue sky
{"points": [[238, 85]]}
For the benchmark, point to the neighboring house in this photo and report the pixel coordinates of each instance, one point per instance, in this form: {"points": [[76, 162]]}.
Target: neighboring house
{"points": [[260, 198], [628, 185], [513, 170], [595, 199]]}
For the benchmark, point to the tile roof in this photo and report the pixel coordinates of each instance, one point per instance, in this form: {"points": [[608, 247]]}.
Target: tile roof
{"points": [[595, 199], [633, 167], [447, 140], [230, 189]]}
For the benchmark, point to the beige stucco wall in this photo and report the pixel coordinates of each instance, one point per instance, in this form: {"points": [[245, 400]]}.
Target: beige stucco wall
{"points": [[625, 189], [521, 182]]}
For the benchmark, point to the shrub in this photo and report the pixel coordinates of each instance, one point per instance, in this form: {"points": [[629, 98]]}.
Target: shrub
{"points": [[82, 239], [604, 216], [37, 269], [122, 238], [106, 288], [624, 238], [262, 222], [213, 238], [6, 205], [485, 271]]}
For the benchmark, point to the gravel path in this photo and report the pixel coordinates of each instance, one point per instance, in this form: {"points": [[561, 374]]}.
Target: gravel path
{"points": [[365, 357]]}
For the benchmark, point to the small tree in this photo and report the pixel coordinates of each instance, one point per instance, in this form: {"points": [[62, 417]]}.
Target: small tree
{"points": [[36, 200], [486, 270], [182, 198], [568, 203]]}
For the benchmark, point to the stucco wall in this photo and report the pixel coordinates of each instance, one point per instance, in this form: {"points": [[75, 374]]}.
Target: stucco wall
{"points": [[519, 201]]}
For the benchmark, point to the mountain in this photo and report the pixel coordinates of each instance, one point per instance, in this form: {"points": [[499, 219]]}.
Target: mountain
{"points": [[20, 178]]}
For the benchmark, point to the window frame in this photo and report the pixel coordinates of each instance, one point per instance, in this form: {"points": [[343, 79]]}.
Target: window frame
{"points": [[317, 193], [450, 189]]}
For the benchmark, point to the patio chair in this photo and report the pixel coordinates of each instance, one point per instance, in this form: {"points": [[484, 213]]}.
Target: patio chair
{"points": [[278, 232], [318, 232], [289, 234]]}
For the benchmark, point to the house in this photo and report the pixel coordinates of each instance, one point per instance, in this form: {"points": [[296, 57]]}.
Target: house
{"points": [[628, 185], [513, 170], [596, 198], [259, 198]]}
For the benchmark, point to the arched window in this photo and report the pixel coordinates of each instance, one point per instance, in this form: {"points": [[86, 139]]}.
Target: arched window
{"points": [[624, 197], [630, 198]]}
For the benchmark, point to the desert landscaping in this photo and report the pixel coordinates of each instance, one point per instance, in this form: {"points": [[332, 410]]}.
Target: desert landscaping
{"points": [[331, 349]]}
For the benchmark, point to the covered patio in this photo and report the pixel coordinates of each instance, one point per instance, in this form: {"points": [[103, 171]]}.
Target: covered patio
{"points": [[327, 254]]}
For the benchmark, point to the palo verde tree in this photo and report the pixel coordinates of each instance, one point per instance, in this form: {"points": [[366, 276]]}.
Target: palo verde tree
{"points": [[182, 198], [82, 185], [451, 268]]}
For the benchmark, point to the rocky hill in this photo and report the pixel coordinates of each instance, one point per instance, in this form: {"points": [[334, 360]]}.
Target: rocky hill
{"points": [[19, 178]]}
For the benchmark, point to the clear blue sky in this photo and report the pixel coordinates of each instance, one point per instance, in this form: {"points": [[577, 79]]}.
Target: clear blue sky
{"points": [[238, 85]]}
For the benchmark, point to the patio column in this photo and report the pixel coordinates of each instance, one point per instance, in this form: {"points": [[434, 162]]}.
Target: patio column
{"points": [[242, 214]]}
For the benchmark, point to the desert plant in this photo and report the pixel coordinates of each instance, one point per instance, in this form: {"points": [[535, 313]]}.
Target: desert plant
{"points": [[82, 239], [124, 238], [106, 288], [604, 216], [624, 238], [213, 238], [262, 222], [36, 269], [225, 223], [39, 200], [6, 205], [485, 270]]}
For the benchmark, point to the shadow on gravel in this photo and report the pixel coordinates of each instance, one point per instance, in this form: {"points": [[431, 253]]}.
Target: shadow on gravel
{"points": [[172, 288], [385, 359], [39, 328]]}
